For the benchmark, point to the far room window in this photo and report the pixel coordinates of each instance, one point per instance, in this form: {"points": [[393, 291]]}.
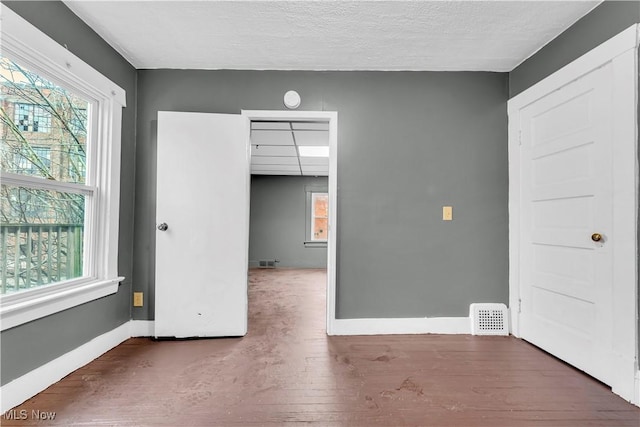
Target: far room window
{"points": [[60, 127], [319, 216]]}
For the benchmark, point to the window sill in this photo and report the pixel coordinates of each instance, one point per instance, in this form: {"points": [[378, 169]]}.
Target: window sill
{"points": [[315, 244], [17, 309]]}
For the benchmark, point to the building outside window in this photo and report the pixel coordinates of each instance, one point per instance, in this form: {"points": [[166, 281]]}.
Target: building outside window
{"points": [[35, 161], [78, 121], [32, 118]]}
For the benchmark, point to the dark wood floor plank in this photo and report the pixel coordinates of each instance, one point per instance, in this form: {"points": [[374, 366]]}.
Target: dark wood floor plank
{"points": [[286, 371]]}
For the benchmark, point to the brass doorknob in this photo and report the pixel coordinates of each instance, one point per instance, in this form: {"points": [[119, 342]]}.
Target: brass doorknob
{"points": [[596, 237]]}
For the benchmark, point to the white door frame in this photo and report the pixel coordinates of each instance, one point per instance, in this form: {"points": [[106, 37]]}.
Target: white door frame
{"points": [[622, 52], [332, 118]]}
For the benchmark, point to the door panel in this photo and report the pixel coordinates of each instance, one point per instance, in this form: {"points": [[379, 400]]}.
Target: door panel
{"points": [[566, 188], [203, 197]]}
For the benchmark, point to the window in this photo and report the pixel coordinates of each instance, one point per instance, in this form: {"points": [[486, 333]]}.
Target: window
{"points": [[319, 216], [78, 121], [60, 169], [30, 117], [34, 161], [43, 226]]}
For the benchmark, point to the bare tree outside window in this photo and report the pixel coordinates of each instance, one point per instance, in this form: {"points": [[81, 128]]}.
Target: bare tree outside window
{"points": [[43, 132]]}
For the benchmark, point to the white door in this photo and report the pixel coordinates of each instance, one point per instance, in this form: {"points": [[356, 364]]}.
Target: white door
{"points": [[203, 198], [566, 223]]}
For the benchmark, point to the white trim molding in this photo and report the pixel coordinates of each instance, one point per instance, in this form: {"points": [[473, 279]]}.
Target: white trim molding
{"points": [[621, 52], [33, 49], [28, 43], [402, 326], [52, 299], [332, 118], [606, 52], [142, 328], [28, 385], [19, 390]]}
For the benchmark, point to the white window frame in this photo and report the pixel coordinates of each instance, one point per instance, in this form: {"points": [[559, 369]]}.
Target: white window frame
{"points": [[27, 45], [310, 190]]}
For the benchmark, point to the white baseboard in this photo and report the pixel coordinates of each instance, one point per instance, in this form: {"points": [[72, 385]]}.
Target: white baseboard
{"points": [[141, 328], [17, 391], [398, 326]]}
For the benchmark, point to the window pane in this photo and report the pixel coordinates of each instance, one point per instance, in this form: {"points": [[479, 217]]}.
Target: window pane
{"points": [[319, 216], [320, 205], [41, 237], [320, 229], [25, 166], [43, 127]]}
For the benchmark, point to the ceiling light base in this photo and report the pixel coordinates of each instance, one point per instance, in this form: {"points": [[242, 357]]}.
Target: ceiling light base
{"points": [[292, 99]]}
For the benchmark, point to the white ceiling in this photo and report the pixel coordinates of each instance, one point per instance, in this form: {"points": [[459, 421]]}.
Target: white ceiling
{"points": [[325, 35], [275, 148], [329, 35]]}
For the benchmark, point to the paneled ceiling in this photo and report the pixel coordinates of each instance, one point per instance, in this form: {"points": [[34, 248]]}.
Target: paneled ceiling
{"points": [[329, 35], [279, 148]]}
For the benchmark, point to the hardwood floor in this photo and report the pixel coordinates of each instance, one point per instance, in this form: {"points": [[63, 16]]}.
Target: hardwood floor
{"points": [[286, 371]]}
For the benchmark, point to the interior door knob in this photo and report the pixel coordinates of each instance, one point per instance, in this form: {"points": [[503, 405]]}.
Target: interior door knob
{"points": [[163, 226], [596, 237]]}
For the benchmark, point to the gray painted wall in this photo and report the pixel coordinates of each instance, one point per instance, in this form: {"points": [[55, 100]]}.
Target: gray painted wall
{"points": [[279, 224], [409, 143], [31, 345], [598, 26], [602, 23]]}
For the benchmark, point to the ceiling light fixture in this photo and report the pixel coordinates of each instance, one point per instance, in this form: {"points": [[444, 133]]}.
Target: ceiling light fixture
{"points": [[313, 151], [292, 99]]}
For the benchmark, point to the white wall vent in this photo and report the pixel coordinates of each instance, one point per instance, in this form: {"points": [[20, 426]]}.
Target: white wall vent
{"points": [[489, 319], [267, 263]]}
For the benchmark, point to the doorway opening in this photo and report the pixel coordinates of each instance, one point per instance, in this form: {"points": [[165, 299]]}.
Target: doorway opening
{"points": [[293, 177]]}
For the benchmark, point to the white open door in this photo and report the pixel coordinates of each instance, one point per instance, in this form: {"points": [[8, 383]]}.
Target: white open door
{"points": [[203, 220], [573, 214]]}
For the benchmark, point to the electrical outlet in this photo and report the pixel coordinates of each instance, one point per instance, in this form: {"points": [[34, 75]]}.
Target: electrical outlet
{"points": [[137, 299], [447, 213]]}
